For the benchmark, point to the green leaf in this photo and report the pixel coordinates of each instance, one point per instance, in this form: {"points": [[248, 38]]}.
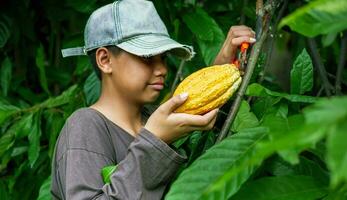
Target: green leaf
{"points": [[328, 39], [83, 64], [209, 35], [301, 75], [92, 88], [318, 17], [282, 188], [3, 190], [204, 178], [40, 63], [258, 90], [244, 118], [6, 111], [6, 142], [54, 124], [201, 24], [5, 29], [327, 111], [19, 151], [107, 171], [45, 190], [6, 75], [34, 139], [66, 97], [337, 153], [23, 126], [82, 6]]}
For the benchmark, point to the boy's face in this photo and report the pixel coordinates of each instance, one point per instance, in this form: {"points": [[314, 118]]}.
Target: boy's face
{"points": [[138, 79]]}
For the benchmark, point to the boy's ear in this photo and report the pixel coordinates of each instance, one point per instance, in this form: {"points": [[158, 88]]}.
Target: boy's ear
{"points": [[103, 60]]}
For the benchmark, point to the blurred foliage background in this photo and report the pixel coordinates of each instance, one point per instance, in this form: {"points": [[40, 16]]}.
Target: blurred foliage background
{"points": [[296, 137]]}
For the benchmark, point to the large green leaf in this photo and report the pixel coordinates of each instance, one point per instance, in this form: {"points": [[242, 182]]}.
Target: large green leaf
{"points": [[279, 167], [258, 90], [244, 118], [301, 75], [41, 65], [318, 17], [337, 153], [66, 97], [5, 75], [209, 35], [327, 111], [282, 188], [92, 88], [204, 178], [45, 190], [34, 139]]}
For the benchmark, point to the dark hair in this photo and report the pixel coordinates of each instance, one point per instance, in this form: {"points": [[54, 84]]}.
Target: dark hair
{"points": [[114, 50]]}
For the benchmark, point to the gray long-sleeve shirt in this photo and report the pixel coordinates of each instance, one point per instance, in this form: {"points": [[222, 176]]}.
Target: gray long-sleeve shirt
{"points": [[89, 141]]}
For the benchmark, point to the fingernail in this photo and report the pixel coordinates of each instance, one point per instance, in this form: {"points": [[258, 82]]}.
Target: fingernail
{"points": [[184, 95], [252, 39]]}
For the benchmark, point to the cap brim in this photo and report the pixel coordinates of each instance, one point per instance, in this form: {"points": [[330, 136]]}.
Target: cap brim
{"points": [[151, 44]]}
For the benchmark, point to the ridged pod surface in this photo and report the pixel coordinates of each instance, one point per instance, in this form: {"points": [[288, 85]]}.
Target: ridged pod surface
{"points": [[208, 88]]}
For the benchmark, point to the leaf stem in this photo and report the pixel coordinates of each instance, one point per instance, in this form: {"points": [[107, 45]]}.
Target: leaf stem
{"points": [[341, 64], [318, 63]]}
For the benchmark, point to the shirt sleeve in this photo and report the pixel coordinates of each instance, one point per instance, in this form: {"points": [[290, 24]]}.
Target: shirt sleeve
{"points": [[144, 173]]}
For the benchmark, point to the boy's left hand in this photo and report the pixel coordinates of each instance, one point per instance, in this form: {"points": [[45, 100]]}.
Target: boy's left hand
{"points": [[236, 36]]}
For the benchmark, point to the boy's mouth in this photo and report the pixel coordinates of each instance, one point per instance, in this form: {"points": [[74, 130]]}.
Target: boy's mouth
{"points": [[159, 85]]}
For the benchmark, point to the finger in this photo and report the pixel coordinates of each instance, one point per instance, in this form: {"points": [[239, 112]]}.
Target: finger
{"points": [[241, 33], [239, 40], [200, 120], [173, 103], [239, 28], [202, 128]]}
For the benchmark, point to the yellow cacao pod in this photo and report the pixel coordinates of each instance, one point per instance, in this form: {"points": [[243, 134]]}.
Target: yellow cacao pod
{"points": [[208, 88]]}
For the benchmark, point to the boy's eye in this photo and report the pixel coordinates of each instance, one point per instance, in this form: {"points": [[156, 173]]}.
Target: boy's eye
{"points": [[153, 58]]}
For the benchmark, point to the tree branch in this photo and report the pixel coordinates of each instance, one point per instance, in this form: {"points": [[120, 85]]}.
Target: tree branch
{"points": [[178, 76], [318, 63], [249, 70], [341, 64]]}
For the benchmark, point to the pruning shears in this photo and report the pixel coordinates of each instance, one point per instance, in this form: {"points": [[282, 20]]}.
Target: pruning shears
{"points": [[241, 59]]}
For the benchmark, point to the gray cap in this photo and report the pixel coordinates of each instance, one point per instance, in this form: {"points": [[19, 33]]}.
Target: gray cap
{"points": [[132, 25]]}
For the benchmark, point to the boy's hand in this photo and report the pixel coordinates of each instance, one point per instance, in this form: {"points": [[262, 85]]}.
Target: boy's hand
{"points": [[169, 126], [236, 36]]}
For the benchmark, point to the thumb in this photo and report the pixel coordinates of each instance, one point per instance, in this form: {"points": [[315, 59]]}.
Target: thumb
{"points": [[174, 102]]}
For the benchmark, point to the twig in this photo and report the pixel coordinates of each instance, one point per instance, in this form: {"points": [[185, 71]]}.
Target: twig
{"points": [[320, 91], [249, 70], [178, 76], [341, 64], [259, 10], [243, 16], [318, 63], [334, 77], [272, 39]]}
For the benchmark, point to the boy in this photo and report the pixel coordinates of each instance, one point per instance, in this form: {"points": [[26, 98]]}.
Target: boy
{"points": [[126, 41]]}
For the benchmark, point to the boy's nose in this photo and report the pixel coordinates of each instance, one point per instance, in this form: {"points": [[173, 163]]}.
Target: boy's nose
{"points": [[160, 68]]}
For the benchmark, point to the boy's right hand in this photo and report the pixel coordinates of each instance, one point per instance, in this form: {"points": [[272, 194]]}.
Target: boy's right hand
{"points": [[169, 126]]}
